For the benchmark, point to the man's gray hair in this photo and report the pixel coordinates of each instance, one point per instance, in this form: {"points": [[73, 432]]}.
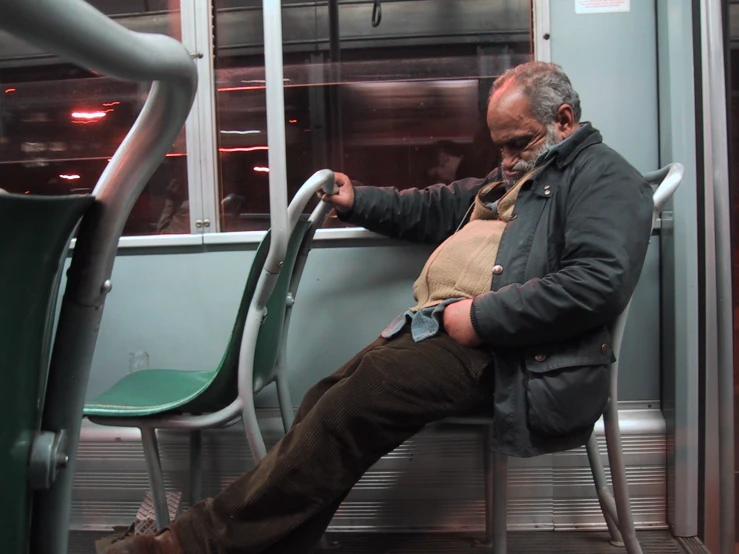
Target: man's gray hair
{"points": [[546, 86]]}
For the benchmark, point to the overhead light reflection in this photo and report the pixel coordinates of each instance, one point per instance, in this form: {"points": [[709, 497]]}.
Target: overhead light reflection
{"points": [[244, 149], [73, 177], [247, 132], [261, 169]]}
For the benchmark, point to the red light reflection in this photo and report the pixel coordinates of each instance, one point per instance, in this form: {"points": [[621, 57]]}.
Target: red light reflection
{"points": [[9, 90], [235, 89], [90, 115]]}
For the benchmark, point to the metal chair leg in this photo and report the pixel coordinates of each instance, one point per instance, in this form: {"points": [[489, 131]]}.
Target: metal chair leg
{"points": [[500, 502], [488, 470], [605, 498], [156, 477], [618, 476], [283, 395], [196, 467], [253, 433]]}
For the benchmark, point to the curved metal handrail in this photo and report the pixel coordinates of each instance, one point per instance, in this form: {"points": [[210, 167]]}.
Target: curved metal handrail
{"points": [[78, 32], [668, 178]]}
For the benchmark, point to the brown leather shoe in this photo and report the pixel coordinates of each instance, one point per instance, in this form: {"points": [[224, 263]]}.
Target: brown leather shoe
{"points": [[166, 543]]}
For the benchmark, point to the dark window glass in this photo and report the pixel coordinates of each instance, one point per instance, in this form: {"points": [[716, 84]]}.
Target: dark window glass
{"points": [[60, 124], [392, 104]]}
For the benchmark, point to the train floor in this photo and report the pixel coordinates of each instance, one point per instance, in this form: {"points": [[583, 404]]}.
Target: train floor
{"points": [[539, 542]]}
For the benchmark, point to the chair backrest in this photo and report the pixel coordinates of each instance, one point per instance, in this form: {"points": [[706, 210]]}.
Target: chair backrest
{"points": [[223, 389], [37, 232], [666, 179]]}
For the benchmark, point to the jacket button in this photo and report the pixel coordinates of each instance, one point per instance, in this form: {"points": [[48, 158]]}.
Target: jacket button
{"points": [[604, 348], [540, 357], [497, 269]]}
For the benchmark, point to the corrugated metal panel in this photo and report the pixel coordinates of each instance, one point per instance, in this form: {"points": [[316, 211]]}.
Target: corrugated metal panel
{"points": [[434, 481], [652, 542]]}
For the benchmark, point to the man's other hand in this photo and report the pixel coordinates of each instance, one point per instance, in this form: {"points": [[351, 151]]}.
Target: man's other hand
{"points": [[458, 323], [344, 199]]}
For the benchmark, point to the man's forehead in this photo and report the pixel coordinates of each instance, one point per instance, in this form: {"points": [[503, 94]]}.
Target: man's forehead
{"points": [[510, 99]]}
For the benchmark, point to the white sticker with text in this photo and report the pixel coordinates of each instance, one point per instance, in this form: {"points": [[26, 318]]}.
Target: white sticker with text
{"points": [[602, 6]]}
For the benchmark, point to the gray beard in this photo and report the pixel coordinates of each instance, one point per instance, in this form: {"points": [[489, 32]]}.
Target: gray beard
{"points": [[522, 167]]}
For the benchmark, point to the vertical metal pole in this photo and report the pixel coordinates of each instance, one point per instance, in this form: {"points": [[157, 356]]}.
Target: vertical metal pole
{"points": [[717, 159], [542, 31], [333, 30], [272, 10], [335, 87], [201, 134], [678, 249]]}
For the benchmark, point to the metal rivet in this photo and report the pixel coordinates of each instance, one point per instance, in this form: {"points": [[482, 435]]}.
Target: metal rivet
{"points": [[547, 192], [604, 348], [497, 269], [107, 287], [540, 357]]}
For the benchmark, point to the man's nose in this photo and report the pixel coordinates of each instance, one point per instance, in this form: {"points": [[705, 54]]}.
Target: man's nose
{"points": [[509, 160]]}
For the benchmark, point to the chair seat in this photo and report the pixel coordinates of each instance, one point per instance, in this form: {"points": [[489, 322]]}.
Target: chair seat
{"points": [[149, 392]]}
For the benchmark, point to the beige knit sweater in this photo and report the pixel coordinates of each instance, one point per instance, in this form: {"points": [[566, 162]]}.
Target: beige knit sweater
{"points": [[461, 266]]}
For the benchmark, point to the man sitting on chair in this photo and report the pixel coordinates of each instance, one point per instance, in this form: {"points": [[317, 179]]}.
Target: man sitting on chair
{"points": [[512, 314]]}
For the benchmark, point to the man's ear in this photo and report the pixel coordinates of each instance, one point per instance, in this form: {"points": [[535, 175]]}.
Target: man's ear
{"points": [[565, 120]]}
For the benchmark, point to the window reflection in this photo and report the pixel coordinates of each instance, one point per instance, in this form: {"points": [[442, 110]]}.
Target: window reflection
{"points": [[60, 124], [404, 105]]}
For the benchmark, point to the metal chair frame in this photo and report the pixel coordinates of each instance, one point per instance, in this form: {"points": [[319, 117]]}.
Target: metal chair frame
{"points": [[242, 408]]}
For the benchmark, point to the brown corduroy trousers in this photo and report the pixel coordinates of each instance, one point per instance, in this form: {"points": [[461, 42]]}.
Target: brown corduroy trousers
{"points": [[349, 420]]}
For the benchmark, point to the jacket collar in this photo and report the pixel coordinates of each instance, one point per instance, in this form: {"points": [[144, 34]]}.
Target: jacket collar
{"points": [[567, 150]]}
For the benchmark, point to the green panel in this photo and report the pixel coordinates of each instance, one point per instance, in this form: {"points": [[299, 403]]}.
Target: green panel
{"points": [[35, 234], [156, 391]]}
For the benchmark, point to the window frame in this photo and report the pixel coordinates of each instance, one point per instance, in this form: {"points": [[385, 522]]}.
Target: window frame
{"points": [[202, 147]]}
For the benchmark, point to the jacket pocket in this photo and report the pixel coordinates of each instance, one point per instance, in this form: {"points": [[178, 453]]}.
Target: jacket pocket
{"points": [[567, 388]]}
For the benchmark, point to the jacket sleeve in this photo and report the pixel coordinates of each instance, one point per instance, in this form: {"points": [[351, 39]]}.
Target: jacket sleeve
{"points": [[427, 215], [608, 218]]}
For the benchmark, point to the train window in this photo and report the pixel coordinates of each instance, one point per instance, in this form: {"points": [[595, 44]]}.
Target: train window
{"points": [[388, 103], [59, 124]]}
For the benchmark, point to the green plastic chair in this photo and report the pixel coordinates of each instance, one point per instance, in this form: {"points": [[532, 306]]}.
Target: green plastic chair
{"points": [[37, 232], [254, 358]]}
